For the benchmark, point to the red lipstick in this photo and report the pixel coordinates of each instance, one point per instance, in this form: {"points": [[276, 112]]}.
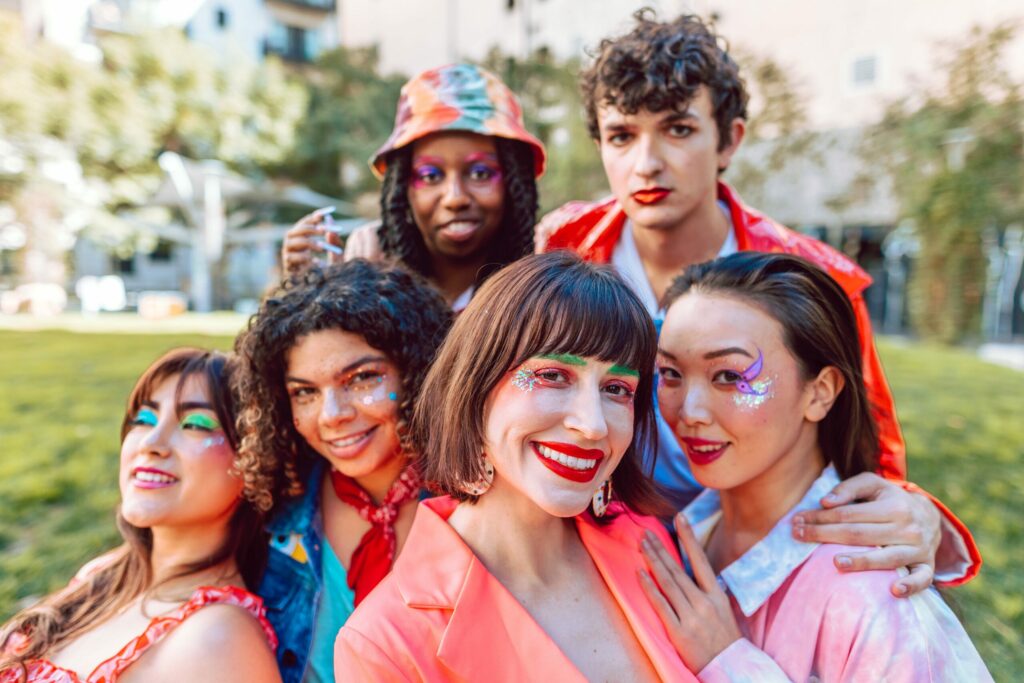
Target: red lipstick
{"points": [[709, 450], [650, 196], [566, 460]]}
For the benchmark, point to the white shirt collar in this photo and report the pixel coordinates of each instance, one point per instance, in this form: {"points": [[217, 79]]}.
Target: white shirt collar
{"points": [[760, 571], [626, 260]]}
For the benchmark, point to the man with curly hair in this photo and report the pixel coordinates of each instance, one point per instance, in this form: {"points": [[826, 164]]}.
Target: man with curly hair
{"points": [[667, 108]]}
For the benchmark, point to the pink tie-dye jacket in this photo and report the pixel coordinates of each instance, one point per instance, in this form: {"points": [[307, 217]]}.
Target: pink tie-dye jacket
{"points": [[805, 621]]}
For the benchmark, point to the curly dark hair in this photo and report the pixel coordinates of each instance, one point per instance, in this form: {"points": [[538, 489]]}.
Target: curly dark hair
{"points": [[659, 66], [394, 310], [401, 239]]}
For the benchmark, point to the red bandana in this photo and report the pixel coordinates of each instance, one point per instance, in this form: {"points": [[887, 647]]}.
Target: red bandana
{"points": [[371, 560]]}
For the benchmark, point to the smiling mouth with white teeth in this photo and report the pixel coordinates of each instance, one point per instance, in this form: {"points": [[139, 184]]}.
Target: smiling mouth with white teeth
{"points": [[569, 461], [352, 443]]}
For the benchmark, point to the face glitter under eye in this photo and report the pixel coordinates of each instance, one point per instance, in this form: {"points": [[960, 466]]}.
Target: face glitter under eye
{"points": [[524, 379], [755, 398], [393, 396], [214, 441]]}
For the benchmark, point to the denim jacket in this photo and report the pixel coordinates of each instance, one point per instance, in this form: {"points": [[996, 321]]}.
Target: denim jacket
{"points": [[292, 582]]}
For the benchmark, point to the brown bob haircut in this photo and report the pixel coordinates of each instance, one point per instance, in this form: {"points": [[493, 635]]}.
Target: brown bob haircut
{"points": [[545, 304], [818, 327]]}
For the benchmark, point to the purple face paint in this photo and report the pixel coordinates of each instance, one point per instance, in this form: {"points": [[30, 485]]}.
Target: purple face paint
{"points": [[425, 175], [484, 169], [524, 379], [752, 392]]}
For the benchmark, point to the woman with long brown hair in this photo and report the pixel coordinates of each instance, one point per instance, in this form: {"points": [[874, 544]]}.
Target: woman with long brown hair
{"points": [[170, 604]]}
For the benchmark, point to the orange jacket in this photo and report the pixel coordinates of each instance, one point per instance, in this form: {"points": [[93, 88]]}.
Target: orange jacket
{"points": [[441, 616], [592, 230]]}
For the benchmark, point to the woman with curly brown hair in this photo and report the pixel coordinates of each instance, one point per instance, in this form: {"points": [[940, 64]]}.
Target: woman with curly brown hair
{"points": [[459, 197], [193, 543], [330, 367]]}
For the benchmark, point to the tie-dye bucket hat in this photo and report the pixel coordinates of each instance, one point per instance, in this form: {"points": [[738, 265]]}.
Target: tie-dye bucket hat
{"points": [[457, 97]]}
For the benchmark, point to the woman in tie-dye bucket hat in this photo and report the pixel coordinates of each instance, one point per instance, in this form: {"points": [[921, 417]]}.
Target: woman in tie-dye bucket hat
{"points": [[459, 194]]}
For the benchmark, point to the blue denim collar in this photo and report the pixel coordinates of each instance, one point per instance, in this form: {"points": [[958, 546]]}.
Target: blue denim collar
{"points": [[760, 571], [296, 515]]}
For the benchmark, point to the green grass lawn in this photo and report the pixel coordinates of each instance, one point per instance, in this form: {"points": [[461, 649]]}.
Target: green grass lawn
{"points": [[61, 397]]}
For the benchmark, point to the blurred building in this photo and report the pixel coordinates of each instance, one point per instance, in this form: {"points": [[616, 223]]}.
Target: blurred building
{"points": [[295, 30]]}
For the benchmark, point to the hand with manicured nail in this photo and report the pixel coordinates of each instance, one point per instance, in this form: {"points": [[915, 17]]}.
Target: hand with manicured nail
{"points": [[867, 510], [697, 616]]}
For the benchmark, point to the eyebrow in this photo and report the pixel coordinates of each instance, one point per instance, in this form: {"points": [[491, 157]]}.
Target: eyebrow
{"points": [[436, 161], [348, 368], [665, 353], [680, 116], [482, 156], [194, 405], [726, 352], [566, 358], [623, 370]]}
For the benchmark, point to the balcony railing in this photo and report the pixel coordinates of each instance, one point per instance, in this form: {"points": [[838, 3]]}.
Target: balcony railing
{"points": [[322, 5]]}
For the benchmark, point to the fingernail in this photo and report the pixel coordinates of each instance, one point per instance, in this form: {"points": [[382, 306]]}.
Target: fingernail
{"points": [[798, 520], [799, 531], [831, 497], [901, 589], [844, 562]]}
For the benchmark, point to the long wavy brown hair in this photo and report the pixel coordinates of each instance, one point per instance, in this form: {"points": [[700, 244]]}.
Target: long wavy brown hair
{"points": [[394, 310], [125, 573]]}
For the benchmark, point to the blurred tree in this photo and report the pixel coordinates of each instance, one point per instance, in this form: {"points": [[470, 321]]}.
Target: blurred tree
{"points": [[150, 93], [956, 155], [350, 113], [553, 111], [776, 124]]}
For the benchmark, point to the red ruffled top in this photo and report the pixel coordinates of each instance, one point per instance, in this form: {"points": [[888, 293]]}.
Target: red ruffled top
{"points": [[108, 671]]}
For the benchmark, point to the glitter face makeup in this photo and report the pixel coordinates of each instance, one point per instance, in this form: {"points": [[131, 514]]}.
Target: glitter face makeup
{"points": [[343, 395], [524, 379], [750, 392]]}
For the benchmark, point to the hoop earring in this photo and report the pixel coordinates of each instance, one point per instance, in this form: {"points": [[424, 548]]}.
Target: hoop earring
{"points": [[483, 484], [602, 498]]}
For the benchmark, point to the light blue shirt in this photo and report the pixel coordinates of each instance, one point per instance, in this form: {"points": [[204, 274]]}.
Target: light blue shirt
{"points": [[337, 602]]}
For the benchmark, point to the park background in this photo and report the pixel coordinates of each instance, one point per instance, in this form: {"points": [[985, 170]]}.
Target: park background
{"points": [[153, 152]]}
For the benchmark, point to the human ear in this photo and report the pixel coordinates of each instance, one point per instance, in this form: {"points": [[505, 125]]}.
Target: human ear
{"points": [[738, 128], [823, 391]]}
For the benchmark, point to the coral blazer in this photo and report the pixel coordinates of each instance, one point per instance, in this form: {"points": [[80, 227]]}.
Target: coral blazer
{"points": [[441, 616]]}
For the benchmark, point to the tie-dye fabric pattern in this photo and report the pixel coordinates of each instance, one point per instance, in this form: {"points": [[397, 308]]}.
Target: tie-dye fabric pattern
{"points": [[457, 97], [816, 624]]}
